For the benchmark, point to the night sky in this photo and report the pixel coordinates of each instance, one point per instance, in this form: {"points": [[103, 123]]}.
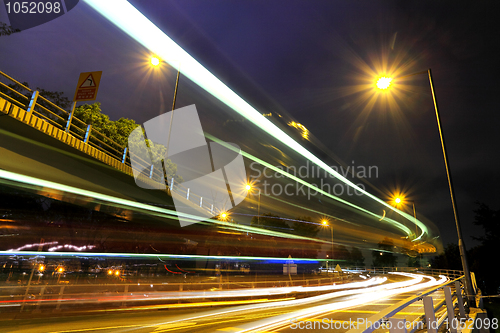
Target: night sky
{"points": [[311, 60]]}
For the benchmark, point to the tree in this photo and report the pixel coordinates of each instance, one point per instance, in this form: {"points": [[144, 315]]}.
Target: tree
{"points": [[305, 227], [6, 30], [489, 220], [18, 99], [270, 221], [384, 258], [449, 259], [56, 97], [414, 261], [357, 258], [340, 252], [480, 257]]}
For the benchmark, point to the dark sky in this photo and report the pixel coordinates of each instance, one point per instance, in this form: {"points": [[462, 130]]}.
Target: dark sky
{"points": [[308, 58]]}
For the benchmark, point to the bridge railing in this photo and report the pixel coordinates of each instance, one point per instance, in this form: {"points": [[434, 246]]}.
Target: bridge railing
{"points": [[30, 100], [453, 274], [453, 299], [18, 94]]}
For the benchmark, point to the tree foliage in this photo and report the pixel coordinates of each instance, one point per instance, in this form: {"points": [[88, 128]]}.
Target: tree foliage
{"points": [[270, 221], [479, 257], [357, 259], [6, 30], [489, 220], [384, 258], [305, 227]]}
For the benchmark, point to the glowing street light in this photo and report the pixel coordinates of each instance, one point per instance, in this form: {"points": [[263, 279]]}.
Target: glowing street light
{"points": [[401, 200], [250, 187], [154, 61], [41, 268], [117, 273], [110, 272], [385, 82], [60, 270], [224, 216], [326, 224]]}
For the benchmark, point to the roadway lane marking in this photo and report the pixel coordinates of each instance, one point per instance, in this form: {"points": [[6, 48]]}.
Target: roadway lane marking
{"points": [[96, 329], [168, 327], [375, 312], [356, 311], [384, 304]]}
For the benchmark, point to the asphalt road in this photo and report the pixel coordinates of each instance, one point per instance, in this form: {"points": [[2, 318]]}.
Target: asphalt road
{"points": [[331, 313]]}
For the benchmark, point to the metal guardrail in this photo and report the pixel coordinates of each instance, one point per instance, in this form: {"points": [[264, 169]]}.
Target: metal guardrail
{"points": [[58, 117], [425, 270], [433, 324]]}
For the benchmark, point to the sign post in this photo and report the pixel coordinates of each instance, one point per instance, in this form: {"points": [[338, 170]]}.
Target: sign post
{"points": [[86, 90]]}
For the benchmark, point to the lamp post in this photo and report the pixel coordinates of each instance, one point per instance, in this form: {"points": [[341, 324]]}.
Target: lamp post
{"points": [[384, 83], [401, 200], [325, 223], [156, 62], [249, 187]]}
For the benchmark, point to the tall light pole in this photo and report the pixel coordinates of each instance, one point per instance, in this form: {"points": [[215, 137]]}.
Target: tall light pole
{"points": [[384, 83], [156, 62], [325, 223], [249, 187], [398, 200]]}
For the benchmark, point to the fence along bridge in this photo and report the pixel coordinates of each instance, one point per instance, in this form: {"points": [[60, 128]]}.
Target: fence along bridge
{"points": [[44, 124]]}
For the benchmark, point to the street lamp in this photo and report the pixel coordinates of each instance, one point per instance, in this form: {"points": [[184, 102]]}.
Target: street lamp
{"points": [[224, 216], [401, 200], [249, 187], [325, 223], [384, 82], [155, 62], [468, 284]]}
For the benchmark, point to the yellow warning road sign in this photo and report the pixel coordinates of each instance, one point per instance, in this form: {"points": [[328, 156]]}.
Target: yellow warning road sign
{"points": [[86, 89]]}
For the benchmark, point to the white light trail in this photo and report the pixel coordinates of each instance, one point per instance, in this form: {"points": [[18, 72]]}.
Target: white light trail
{"points": [[29, 246], [135, 24], [368, 295], [71, 247]]}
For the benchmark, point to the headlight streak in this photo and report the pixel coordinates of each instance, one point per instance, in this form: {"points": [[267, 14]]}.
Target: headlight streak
{"points": [[317, 189], [135, 24], [253, 292], [360, 299], [368, 295], [153, 210], [280, 303], [27, 246], [153, 255]]}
